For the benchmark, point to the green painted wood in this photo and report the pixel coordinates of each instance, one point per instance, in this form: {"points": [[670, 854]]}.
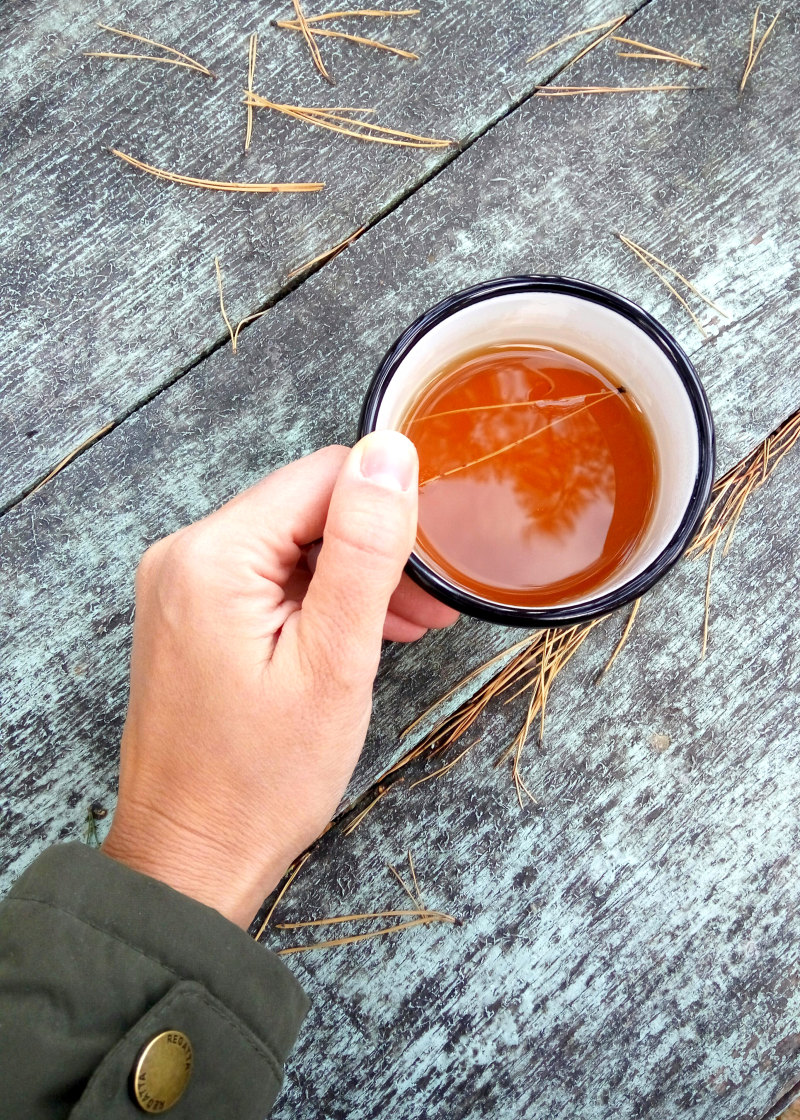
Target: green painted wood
{"points": [[107, 279], [705, 180]]}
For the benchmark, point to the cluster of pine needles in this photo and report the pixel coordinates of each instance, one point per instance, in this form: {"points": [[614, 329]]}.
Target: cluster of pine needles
{"points": [[418, 915]]}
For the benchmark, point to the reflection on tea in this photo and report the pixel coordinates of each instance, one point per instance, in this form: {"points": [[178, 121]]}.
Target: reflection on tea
{"points": [[537, 474]]}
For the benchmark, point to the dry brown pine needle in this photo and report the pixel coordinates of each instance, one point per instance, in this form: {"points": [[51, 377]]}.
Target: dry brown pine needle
{"points": [[310, 41], [577, 91], [621, 643], [72, 455], [233, 331], [363, 12], [293, 25], [659, 54], [651, 260], [336, 117], [609, 27], [329, 254], [180, 58], [754, 51], [290, 878], [213, 184], [252, 50]]}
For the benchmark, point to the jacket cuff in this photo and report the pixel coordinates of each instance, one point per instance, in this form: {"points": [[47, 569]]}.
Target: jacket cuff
{"points": [[190, 969]]}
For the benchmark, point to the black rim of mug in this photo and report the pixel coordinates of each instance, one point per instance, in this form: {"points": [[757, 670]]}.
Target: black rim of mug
{"points": [[446, 591]]}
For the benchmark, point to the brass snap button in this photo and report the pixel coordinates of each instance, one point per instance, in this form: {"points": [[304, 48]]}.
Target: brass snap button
{"points": [[162, 1071]]}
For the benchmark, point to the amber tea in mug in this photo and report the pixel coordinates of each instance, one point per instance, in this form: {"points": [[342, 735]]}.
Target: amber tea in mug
{"points": [[537, 473], [566, 448]]}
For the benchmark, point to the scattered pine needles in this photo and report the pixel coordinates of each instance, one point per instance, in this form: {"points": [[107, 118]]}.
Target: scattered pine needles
{"points": [[651, 260], [754, 51], [75, 452], [659, 54], [337, 117], [251, 73], [611, 25], [180, 58], [420, 915], [214, 185], [328, 255]]}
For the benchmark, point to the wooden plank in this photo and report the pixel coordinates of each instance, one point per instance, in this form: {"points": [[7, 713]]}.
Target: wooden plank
{"points": [[107, 275], [71, 549], [628, 947]]}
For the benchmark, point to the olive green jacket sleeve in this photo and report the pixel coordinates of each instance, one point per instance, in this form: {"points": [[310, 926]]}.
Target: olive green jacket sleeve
{"points": [[96, 960]]}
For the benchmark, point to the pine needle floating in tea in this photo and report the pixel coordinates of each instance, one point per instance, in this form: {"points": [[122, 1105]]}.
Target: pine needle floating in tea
{"points": [[419, 916], [180, 58], [337, 117], [754, 51], [252, 50], [651, 260], [659, 54], [609, 27], [213, 184], [328, 255]]}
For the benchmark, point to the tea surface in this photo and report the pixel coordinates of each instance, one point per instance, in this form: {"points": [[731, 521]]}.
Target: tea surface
{"points": [[537, 474]]}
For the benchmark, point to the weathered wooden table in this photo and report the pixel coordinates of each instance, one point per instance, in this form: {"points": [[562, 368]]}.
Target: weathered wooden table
{"points": [[629, 947]]}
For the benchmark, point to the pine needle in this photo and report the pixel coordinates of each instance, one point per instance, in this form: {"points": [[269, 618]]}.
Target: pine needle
{"points": [[596, 43], [72, 455], [310, 41], [352, 938], [290, 879], [641, 254], [707, 602], [362, 12], [149, 58], [214, 185], [187, 59], [431, 914], [357, 820], [754, 52], [516, 443], [328, 255], [334, 119], [575, 91], [620, 644], [632, 245], [251, 71], [292, 25], [443, 769], [612, 23], [647, 50], [223, 312]]}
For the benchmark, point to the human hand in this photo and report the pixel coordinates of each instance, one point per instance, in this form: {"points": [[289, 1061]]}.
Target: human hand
{"points": [[251, 679]]}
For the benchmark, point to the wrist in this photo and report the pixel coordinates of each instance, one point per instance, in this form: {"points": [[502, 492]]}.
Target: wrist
{"points": [[194, 863]]}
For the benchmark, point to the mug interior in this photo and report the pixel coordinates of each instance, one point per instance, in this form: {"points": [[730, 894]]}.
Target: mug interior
{"points": [[601, 336]]}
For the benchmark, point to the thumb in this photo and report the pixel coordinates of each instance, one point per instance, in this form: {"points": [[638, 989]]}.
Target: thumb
{"points": [[369, 533]]}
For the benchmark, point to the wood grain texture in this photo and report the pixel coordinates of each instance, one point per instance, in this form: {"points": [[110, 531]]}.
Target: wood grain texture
{"points": [[604, 999], [299, 383], [107, 275]]}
